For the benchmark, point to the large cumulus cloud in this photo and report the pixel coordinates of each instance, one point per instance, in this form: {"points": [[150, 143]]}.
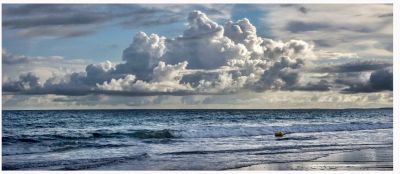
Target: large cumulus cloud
{"points": [[208, 58]]}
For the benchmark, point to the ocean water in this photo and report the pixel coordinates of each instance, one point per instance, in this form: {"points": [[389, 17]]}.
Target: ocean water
{"points": [[184, 139]]}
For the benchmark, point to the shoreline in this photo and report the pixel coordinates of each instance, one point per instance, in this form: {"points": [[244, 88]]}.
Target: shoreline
{"points": [[378, 159]]}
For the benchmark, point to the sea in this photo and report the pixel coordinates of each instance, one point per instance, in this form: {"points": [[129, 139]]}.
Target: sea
{"points": [[185, 139]]}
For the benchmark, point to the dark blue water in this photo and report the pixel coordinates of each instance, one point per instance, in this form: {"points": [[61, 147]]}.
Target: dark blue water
{"points": [[184, 139]]}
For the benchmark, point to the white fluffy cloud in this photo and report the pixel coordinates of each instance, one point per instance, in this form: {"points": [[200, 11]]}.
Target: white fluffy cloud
{"points": [[208, 58], [163, 72], [165, 79], [144, 53]]}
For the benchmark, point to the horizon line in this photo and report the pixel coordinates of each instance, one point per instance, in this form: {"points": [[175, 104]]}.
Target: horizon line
{"points": [[88, 109]]}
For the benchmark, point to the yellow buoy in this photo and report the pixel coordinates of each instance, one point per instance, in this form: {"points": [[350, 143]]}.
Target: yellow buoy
{"points": [[279, 134]]}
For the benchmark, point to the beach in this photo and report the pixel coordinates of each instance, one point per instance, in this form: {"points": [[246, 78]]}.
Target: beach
{"points": [[366, 159]]}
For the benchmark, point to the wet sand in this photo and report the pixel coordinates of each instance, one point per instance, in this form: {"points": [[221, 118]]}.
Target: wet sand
{"points": [[366, 159]]}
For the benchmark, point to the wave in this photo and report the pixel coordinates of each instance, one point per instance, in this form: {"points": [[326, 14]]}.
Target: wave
{"points": [[64, 148], [232, 131], [139, 134], [75, 164], [285, 148], [202, 132], [9, 139]]}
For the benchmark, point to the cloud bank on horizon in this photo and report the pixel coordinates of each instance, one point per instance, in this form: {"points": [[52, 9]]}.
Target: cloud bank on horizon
{"points": [[207, 58]]}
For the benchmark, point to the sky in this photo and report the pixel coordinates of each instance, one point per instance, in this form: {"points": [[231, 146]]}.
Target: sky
{"points": [[256, 56]]}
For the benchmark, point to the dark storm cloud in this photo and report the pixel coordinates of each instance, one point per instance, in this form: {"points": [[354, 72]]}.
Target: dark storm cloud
{"points": [[358, 77], [382, 79], [357, 66], [379, 80], [26, 82]]}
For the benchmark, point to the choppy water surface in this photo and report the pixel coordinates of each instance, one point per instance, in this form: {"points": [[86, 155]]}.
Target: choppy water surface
{"points": [[184, 139]]}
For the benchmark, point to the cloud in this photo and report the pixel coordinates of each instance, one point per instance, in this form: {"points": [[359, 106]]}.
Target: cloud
{"points": [[71, 20], [336, 56], [386, 15], [11, 59], [152, 22], [200, 25], [300, 8], [156, 15], [304, 10], [207, 58], [272, 100], [163, 72], [165, 79], [382, 79], [362, 28], [356, 76], [143, 54], [379, 80], [44, 67], [203, 44], [57, 31], [38, 20], [356, 66], [281, 75], [26, 82], [299, 26], [322, 85]]}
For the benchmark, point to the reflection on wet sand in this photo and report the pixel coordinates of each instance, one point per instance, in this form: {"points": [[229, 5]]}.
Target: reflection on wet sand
{"points": [[366, 159]]}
